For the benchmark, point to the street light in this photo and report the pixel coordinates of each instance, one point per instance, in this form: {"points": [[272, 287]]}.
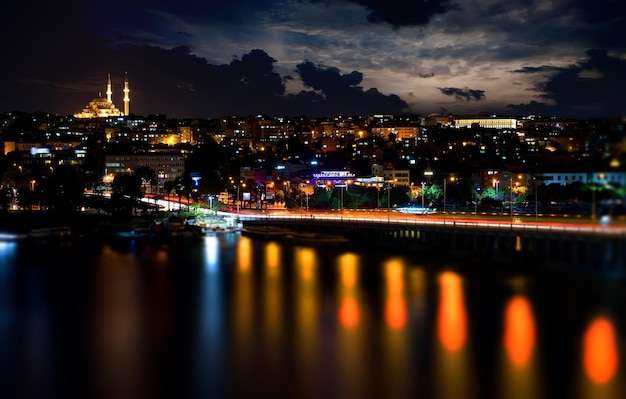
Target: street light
{"points": [[388, 202], [423, 184], [593, 194], [444, 195], [536, 203], [511, 205], [496, 183], [476, 198], [444, 192], [211, 205], [238, 199], [341, 198]]}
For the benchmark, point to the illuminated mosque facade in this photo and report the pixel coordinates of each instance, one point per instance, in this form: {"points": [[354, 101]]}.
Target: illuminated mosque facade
{"points": [[103, 107]]}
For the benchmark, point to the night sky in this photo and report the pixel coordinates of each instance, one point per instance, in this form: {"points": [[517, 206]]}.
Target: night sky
{"points": [[208, 59]]}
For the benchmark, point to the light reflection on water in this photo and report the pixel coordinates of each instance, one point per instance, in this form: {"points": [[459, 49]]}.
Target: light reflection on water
{"points": [[227, 316]]}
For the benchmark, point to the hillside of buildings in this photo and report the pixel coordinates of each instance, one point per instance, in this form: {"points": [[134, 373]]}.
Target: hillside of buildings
{"points": [[439, 161]]}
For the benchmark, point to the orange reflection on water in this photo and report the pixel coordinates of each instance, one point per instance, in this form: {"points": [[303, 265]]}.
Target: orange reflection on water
{"points": [[519, 331], [118, 319], [305, 288], [349, 312], [600, 355], [451, 320], [395, 308], [244, 253]]}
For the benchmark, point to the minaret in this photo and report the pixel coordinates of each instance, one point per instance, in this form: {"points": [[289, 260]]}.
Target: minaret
{"points": [[126, 97], [109, 92]]}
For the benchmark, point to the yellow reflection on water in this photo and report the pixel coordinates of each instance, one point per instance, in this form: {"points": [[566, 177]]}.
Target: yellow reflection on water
{"points": [[452, 368], [243, 310], [273, 305], [306, 262], [306, 292], [348, 264], [307, 347], [272, 256]]}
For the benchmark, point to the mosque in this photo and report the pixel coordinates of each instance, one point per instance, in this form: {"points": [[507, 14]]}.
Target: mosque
{"points": [[103, 107]]}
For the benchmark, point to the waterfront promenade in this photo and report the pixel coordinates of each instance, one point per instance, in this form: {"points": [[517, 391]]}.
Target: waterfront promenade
{"points": [[563, 243]]}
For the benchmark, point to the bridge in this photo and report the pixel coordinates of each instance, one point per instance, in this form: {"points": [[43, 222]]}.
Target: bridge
{"points": [[514, 242]]}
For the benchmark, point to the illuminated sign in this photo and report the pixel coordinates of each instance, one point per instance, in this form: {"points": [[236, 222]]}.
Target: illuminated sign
{"points": [[334, 174]]}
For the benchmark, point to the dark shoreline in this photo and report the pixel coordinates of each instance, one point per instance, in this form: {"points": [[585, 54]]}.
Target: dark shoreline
{"points": [[22, 222]]}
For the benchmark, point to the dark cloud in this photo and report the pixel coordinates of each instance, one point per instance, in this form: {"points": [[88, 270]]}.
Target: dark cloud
{"points": [[343, 93], [327, 78], [607, 19], [179, 84], [540, 69], [400, 12], [405, 12], [593, 88], [463, 94]]}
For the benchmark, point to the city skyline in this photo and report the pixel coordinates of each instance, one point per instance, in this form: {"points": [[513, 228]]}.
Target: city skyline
{"points": [[319, 57]]}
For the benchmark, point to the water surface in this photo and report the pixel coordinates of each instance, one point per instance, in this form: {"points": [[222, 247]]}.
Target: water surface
{"points": [[226, 316]]}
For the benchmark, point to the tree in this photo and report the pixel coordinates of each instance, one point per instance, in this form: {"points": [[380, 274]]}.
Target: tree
{"points": [[126, 193], [169, 186], [320, 199], [147, 176], [488, 192], [433, 194], [62, 191]]}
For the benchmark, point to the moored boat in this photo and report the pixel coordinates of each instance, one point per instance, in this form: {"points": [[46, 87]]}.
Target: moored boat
{"points": [[265, 232], [309, 238]]}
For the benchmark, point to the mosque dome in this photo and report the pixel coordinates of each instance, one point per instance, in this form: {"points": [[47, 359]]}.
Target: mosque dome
{"points": [[100, 106]]}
